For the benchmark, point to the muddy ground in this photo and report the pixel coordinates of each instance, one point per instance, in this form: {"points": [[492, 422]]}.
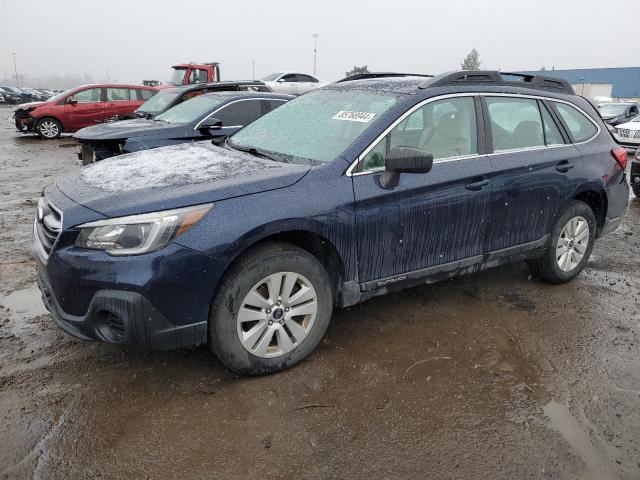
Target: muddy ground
{"points": [[494, 375]]}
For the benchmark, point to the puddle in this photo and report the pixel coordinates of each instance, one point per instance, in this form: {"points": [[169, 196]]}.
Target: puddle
{"points": [[24, 303], [575, 435]]}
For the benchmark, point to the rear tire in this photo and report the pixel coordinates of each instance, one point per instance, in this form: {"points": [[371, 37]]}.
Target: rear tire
{"points": [[570, 245], [48, 128], [253, 329]]}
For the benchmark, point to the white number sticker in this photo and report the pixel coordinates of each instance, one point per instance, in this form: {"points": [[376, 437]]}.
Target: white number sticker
{"points": [[354, 116]]}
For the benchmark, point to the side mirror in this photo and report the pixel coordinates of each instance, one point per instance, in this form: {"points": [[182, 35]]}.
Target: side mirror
{"points": [[210, 123], [71, 100], [404, 160], [281, 80]]}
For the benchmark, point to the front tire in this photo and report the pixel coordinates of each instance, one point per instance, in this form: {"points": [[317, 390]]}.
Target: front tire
{"points": [[272, 309], [48, 128], [570, 245]]}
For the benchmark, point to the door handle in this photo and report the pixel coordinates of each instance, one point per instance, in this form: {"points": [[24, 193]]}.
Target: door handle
{"points": [[476, 186], [564, 166]]}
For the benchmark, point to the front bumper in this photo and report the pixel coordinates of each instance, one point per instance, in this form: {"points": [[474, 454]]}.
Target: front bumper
{"points": [[157, 301], [617, 204], [24, 122], [627, 138]]}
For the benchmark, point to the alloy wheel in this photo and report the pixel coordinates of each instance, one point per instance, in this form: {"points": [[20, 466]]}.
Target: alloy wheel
{"points": [[48, 129], [277, 314], [572, 244]]}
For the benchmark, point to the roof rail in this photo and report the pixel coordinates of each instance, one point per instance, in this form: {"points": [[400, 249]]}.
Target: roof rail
{"points": [[492, 77], [368, 75]]}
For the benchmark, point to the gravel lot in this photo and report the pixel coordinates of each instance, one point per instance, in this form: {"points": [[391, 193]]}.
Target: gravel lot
{"points": [[493, 375]]}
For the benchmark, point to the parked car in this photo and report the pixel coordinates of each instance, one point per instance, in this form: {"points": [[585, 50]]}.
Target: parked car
{"points": [[292, 83], [34, 95], [170, 97], [210, 116], [628, 134], [635, 174], [617, 113], [11, 95], [347, 192], [78, 108]]}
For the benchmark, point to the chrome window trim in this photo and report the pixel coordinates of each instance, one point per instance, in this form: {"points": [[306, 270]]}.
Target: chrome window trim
{"points": [[350, 173], [231, 103]]}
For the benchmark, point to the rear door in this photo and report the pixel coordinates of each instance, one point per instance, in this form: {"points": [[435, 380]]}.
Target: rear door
{"points": [[120, 101], [533, 161], [432, 221], [88, 110], [305, 83]]}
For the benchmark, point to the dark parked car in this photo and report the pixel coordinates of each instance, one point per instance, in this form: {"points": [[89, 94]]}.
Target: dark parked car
{"points": [[617, 113], [172, 96], [635, 174], [78, 108], [347, 192], [209, 116], [11, 95]]}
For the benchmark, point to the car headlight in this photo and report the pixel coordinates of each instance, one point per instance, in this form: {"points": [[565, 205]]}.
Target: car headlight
{"points": [[137, 234]]}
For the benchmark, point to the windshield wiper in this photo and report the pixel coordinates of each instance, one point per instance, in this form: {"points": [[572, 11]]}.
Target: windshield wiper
{"points": [[254, 151]]}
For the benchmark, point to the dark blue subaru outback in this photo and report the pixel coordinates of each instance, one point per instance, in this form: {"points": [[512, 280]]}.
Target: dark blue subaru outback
{"points": [[368, 185]]}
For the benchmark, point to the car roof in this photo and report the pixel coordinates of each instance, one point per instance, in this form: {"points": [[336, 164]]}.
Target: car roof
{"points": [[243, 94], [226, 83]]}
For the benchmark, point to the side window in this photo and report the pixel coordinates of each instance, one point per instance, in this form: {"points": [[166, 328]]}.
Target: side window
{"points": [[202, 76], [240, 113], [581, 127], [306, 78], [290, 77], [445, 128], [633, 111], [273, 104], [515, 123], [117, 94], [146, 94], [551, 133], [88, 96], [134, 94]]}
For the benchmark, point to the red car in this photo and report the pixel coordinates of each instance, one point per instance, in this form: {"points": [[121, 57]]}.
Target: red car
{"points": [[79, 107]]}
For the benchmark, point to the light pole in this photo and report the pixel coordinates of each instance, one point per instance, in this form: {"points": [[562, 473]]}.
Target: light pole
{"points": [[15, 69], [253, 69], [315, 51]]}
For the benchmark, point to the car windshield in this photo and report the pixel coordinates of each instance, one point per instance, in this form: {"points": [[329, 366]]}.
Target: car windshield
{"points": [[314, 128], [158, 103], [272, 77], [191, 110], [177, 77], [612, 109]]}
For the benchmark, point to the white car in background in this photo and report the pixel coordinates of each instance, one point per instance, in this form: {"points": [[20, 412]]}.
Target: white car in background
{"points": [[628, 134], [292, 83]]}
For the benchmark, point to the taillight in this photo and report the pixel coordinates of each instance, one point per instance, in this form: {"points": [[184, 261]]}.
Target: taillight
{"points": [[620, 154]]}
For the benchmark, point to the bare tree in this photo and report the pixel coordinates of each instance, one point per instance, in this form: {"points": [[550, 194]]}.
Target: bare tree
{"points": [[471, 61], [357, 70]]}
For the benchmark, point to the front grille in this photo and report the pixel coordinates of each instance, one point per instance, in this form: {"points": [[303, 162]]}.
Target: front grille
{"points": [[624, 133], [48, 225]]}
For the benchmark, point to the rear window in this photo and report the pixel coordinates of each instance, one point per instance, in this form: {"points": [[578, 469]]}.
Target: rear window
{"points": [[579, 125]]}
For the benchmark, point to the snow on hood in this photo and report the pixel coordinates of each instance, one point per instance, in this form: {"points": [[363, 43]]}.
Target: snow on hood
{"points": [[630, 125], [123, 129], [176, 165], [173, 177]]}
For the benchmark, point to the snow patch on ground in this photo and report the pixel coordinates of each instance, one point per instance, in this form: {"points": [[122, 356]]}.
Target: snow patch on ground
{"points": [[176, 165]]}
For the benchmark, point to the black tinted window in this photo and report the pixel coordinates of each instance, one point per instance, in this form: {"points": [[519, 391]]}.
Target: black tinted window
{"points": [[306, 78], [271, 104], [239, 113]]}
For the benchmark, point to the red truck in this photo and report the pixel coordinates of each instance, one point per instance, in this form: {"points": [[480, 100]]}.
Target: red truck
{"points": [[190, 73]]}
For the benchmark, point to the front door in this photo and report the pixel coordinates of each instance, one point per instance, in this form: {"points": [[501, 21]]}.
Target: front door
{"points": [[436, 219], [87, 110]]}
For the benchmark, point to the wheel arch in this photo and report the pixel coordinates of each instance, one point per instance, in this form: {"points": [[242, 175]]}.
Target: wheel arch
{"points": [[52, 117], [597, 201], [313, 242]]}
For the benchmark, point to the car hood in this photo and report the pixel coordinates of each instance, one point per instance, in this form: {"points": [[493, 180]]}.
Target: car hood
{"points": [[124, 129], [28, 106], [629, 126], [173, 177]]}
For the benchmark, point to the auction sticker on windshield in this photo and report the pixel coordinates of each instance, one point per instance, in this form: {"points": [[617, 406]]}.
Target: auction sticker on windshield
{"points": [[354, 116]]}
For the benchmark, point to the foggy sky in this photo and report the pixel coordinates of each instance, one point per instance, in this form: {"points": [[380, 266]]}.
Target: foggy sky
{"points": [[139, 40]]}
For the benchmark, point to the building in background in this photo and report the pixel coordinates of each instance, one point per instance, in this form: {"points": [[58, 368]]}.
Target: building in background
{"points": [[601, 83]]}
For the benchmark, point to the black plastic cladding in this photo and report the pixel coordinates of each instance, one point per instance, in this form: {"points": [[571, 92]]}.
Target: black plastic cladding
{"points": [[490, 77]]}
